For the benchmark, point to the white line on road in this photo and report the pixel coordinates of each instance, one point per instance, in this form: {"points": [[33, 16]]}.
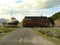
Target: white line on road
{"points": [[20, 40]]}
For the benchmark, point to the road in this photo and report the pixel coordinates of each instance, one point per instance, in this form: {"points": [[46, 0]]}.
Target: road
{"points": [[24, 36]]}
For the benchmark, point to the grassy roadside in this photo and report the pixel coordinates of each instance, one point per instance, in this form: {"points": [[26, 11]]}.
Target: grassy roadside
{"points": [[50, 38], [4, 31], [53, 39]]}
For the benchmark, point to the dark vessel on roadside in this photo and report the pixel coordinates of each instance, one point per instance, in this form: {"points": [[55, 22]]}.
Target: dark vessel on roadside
{"points": [[36, 21], [11, 23]]}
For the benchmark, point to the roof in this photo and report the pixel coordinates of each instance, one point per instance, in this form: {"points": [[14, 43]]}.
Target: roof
{"points": [[35, 17]]}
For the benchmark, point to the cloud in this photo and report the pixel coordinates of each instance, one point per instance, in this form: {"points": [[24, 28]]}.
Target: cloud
{"points": [[39, 3], [30, 7], [52, 3], [6, 2]]}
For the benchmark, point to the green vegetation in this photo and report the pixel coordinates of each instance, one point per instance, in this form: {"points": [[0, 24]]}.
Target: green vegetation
{"points": [[49, 34], [53, 39], [4, 31], [56, 16]]}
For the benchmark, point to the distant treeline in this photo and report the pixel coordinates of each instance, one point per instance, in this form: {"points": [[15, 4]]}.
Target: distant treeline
{"points": [[56, 16]]}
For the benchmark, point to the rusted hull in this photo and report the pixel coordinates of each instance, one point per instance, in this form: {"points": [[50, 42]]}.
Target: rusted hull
{"points": [[36, 23]]}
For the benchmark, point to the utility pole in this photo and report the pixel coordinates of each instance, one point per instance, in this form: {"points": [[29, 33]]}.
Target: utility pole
{"points": [[11, 12], [41, 15]]}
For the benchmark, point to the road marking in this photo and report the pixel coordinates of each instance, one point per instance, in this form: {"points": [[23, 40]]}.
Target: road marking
{"points": [[20, 40]]}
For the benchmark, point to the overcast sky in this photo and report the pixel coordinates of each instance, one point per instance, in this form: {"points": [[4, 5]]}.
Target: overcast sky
{"points": [[21, 8]]}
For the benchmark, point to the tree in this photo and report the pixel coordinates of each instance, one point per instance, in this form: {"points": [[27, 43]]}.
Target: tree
{"points": [[56, 16]]}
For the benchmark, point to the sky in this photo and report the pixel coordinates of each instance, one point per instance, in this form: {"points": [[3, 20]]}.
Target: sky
{"points": [[22, 8]]}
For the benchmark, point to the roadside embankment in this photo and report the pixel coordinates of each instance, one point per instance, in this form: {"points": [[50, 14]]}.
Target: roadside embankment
{"points": [[52, 34], [4, 31]]}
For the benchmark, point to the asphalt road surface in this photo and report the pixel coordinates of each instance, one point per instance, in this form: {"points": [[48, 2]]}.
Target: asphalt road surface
{"points": [[24, 36]]}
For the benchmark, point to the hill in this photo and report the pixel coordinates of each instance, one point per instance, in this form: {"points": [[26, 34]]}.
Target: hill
{"points": [[56, 16]]}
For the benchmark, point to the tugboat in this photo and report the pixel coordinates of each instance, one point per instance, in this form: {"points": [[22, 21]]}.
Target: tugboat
{"points": [[11, 23]]}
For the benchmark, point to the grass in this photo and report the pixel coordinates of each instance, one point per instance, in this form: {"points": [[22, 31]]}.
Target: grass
{"points": [[4, 31], [57, 31], [52, 39], [57, 22]]}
